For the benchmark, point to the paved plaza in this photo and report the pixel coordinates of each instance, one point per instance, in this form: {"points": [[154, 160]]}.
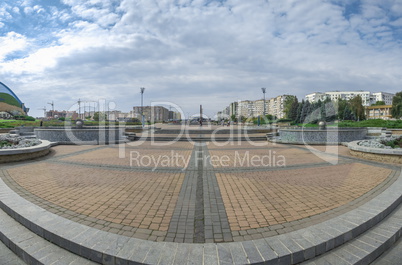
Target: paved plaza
{"points": [[198, 192]]}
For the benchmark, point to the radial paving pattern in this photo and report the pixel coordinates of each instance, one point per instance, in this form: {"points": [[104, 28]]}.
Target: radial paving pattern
{"points": [[197, 193]]}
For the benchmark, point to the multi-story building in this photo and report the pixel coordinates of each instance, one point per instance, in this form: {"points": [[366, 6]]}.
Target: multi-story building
{"points": [[259, 107], [255, 108], [174, 115], [246, 108], [276, 106], [382, 96], [314, 97], [233, 109], [52, 114], [368, 98], [152, 113]]}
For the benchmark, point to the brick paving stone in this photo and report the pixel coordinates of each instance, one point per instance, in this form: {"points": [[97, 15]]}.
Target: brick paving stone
{"points": [[93, 186], [277, 197]]}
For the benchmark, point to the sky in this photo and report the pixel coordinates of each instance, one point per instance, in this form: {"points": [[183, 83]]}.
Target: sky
{"points": [[188, 53]]}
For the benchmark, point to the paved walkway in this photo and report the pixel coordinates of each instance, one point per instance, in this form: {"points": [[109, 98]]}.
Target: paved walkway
{"points": [[198, 193]]}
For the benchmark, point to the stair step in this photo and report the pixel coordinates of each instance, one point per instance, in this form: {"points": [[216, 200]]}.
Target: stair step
{"points": [[366, 247], [32, 248]]}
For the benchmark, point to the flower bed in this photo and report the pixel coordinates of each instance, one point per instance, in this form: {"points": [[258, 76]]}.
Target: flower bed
{"points": [[14, 142]]}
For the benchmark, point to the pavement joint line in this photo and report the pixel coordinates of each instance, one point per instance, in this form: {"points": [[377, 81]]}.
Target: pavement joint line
{"points": [[186, 202], [199, 225]]}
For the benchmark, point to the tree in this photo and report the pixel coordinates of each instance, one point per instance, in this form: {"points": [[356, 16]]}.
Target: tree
{"points": [[287, 104], [299, 112], [342, 104], [397, 106], [243, 119], [99, 116], [348, 115], [356, 106], [305, 111], [293, 110], [378, 103], [233, 118], [330, 111]]}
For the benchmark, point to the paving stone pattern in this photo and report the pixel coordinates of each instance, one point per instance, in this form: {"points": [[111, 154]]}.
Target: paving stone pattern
{"points": [[197, 200]]}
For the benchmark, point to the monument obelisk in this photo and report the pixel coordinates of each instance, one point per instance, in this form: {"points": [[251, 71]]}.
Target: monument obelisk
{"points": [[200, 115]]}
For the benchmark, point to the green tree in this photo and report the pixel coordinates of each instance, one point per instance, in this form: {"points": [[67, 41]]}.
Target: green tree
{"points": [[99, 116], [243, 119], [293, 110], [287, 104], [306, 109], [299, 112], [397, 106], [348, 114], [378, 103], [341, 105], [357, 108], [233, 118]]}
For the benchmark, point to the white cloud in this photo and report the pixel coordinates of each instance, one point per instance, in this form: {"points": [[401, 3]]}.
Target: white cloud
{"points": [[10, 43]]}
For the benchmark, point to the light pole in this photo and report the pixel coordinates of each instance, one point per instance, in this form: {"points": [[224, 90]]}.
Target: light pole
{"points": [[263, 91], [142, 108]]}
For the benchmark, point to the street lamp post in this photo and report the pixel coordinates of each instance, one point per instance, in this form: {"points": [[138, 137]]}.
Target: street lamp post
{"points": [[142, 108], [263, 91]]}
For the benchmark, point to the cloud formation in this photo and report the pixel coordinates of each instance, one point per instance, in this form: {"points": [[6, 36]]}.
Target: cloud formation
{"points": [[193, 52]]}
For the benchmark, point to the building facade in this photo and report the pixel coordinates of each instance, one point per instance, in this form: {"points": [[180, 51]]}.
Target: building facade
{"points": [[368, 98], [254, 108], [152, 113], [276, 106], [382, 96], [54, 114], [10, 103], [379, 112]]}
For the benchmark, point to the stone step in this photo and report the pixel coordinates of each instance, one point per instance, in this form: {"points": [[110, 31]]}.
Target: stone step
{"points": [[365, 248], [290, 248], [31, 248]]}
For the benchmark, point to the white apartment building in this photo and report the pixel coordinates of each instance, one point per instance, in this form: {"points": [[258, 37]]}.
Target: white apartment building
{"points": [[259, 107], [368, 98], [276, 106], [382, 96], [314, 97], [246, 108]]}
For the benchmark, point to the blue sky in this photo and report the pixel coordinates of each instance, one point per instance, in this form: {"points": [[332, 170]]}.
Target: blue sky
{"points": [[196, 52]]}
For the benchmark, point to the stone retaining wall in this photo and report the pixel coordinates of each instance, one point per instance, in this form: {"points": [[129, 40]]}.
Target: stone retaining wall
{"points": [[22, 157], [376, 154], [21, 154], [318, 136], [81, 136]]}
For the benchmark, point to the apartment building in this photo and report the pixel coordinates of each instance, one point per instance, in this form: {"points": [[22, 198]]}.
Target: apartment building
{"points": [[368, 98], [152, 113], [254, 108]]}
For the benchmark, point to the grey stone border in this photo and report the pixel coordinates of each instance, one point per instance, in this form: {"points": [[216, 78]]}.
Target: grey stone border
{"points": [[355, 147], [290, 248], [27, 153], [32, 149]]}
